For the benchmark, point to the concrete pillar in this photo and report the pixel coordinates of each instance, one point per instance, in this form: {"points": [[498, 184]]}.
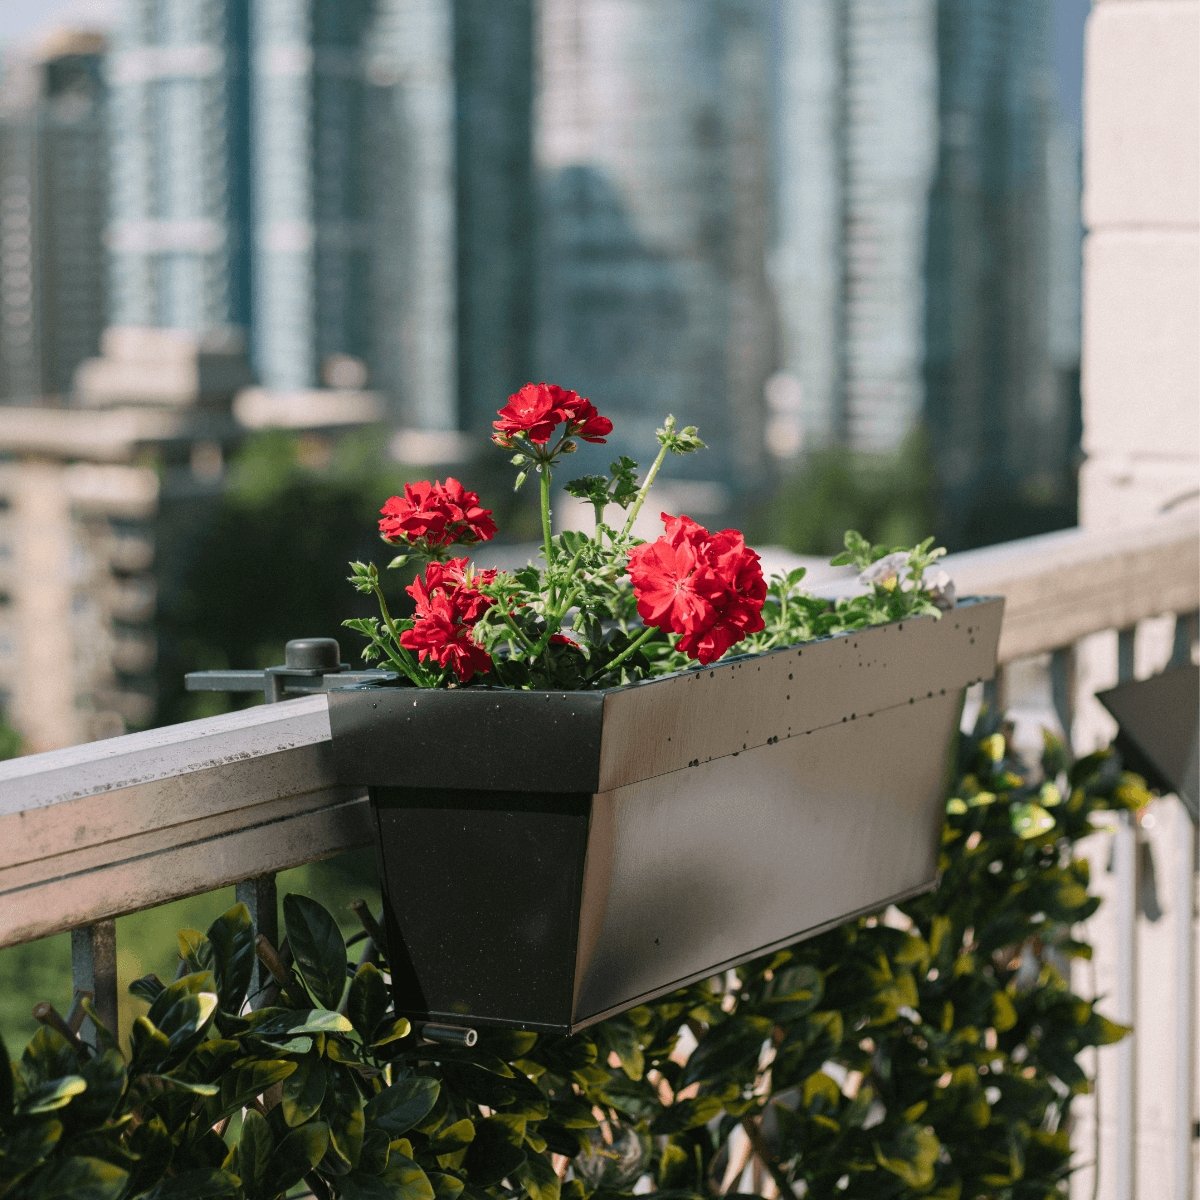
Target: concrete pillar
{"points": [[1141, 400]]}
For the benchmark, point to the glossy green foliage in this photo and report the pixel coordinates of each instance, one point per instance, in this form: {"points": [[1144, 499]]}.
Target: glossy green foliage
{"points": [[932, 1053]]}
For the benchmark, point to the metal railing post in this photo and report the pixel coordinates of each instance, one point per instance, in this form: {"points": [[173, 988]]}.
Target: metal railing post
{"points": [[1126, 855], [260, 896], [94, 970]]}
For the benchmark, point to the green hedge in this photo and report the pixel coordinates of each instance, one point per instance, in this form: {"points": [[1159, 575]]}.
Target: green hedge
{"points": [[933, 1051]]}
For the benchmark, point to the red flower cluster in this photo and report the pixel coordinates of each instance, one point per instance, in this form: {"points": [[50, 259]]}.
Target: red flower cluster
{"points": [[707, 587], [449, 603], [436, 514], [538, 409]]}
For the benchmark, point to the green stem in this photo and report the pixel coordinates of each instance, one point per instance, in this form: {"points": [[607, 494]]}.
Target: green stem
{"points": [[544, 481], [396, 652], [554, 622], [643, 492], [633, 646]]}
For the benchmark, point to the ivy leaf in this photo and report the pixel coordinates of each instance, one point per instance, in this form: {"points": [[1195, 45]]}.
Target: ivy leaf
{"points": [[318, 948]]}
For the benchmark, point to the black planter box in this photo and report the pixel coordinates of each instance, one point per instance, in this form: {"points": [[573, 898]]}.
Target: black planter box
{"points": [[551, 858]]}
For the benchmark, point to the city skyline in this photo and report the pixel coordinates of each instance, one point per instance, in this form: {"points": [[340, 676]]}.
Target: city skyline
{"points": [[417, 196]]}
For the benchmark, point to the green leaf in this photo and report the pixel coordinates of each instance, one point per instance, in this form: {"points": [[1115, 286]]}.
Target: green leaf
{"points": [[148, 988], [541, 1183], [403, 1180], [318, 948], [249, 1078], [184, 1008], [406, 1103], [293, 1022], [1031, 820], [368, 1000], [303, 1091], [254, 1148], [203, 1183], [51, 1096], [76, 1179], [342, 1109], [494, 1153], [231, 937], [401, 1027], [7, 1089], [297, 1154], [195, 949]]}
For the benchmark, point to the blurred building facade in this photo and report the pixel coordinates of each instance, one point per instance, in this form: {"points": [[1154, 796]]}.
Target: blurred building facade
{"points": [[928, 239], [53, 134], [653, 146], [179, 207], [450, 87]]}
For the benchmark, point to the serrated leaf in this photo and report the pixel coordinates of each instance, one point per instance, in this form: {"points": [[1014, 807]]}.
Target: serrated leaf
{"points": [[318, 948]]}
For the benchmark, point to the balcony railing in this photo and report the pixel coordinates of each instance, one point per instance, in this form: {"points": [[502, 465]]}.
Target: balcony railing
{"points": [[96, 831]]}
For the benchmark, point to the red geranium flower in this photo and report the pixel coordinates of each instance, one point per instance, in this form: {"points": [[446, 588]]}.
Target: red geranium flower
{"points": [[448, 604], [706, 587], [437, 514], [538, 409]]}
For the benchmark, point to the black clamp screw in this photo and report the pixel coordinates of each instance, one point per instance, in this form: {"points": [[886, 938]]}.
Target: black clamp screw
{"points": [[310, 665]]}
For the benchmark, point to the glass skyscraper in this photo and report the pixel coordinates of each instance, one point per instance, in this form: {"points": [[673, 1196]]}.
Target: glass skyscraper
{"points": [[52, 211], [179, 232]]}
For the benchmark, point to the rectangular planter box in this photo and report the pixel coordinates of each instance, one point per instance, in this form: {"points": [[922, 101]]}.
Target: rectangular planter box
{"points": [[551, 858]]}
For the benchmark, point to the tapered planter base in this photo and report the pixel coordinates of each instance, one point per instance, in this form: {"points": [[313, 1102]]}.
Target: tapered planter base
{"points": [[549, 859]]}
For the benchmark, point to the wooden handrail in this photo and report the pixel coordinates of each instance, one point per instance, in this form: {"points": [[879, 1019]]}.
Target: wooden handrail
{"points": [[110, 827]]}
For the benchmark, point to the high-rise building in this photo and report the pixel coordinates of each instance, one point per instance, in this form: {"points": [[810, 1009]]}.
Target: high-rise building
{"points": [[52, 210], [915, 215], [311, 252], [179, 232], [450, 95], [653, 150]]}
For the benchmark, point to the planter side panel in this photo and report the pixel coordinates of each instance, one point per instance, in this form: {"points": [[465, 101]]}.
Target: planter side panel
{"points": [[660, 726], [712, 865], [481, 902]]}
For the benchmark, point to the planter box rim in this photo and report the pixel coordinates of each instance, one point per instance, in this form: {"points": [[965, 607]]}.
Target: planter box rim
{"points": [[393, 679]]}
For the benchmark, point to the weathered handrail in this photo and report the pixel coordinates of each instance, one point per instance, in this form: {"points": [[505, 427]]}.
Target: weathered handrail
{"points": [[114, 826], [123, 824]]}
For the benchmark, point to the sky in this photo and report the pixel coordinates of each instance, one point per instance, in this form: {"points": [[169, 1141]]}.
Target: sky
{"points": [[21, 19]]}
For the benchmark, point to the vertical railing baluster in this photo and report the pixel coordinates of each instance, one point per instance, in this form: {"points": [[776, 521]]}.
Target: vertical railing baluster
{"points": [[1187, 627], [260, 896], [995, 691], [1063, 672], [94, 969], [1126, 853], [1187, 855]]}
